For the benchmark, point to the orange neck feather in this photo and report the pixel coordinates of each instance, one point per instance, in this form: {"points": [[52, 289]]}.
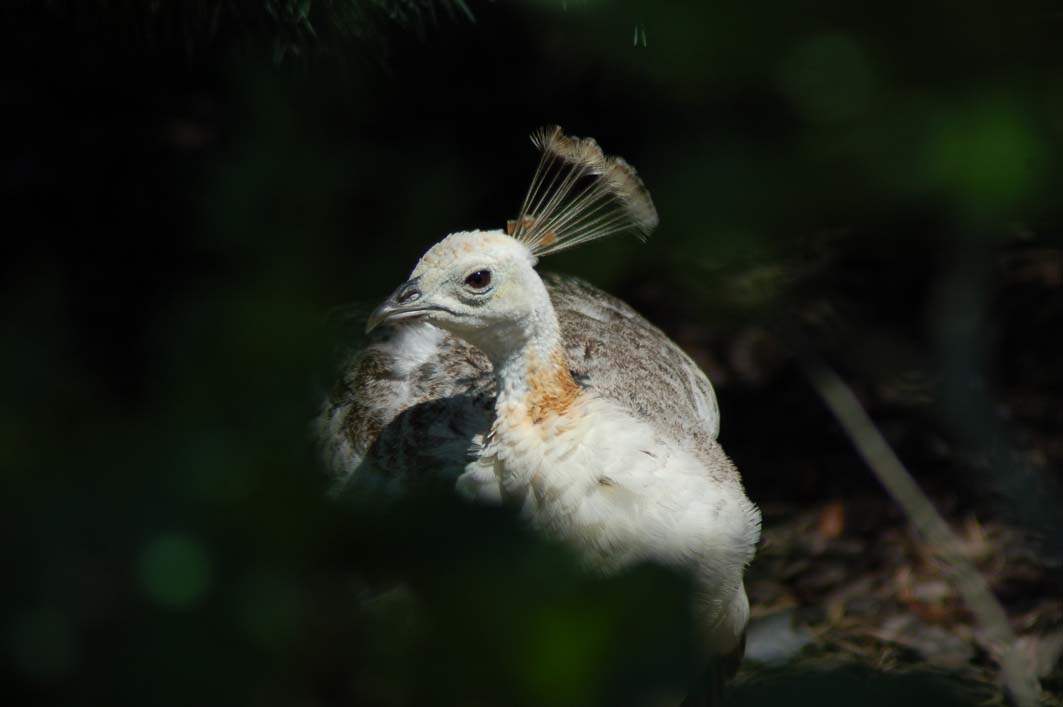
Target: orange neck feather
{"points": [[551, 388]]}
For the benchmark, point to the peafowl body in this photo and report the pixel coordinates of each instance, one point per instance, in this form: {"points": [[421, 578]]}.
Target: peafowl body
{"points": [[549, 394]]}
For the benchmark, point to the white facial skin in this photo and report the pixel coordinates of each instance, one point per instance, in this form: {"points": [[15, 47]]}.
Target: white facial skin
{"points": [[479, 285]]}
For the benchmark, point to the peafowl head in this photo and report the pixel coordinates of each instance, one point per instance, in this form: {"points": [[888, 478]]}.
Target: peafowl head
{"points": [[482, 285]]}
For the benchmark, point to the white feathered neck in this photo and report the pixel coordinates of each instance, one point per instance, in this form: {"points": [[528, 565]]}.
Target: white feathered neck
{"points": [[531, 368]]}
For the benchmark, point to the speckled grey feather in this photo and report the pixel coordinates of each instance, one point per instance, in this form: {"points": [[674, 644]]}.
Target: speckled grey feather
{"points": [[414, 404]]}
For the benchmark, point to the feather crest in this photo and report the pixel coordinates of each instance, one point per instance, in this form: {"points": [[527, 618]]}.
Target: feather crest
{"points": [[579, 194]]}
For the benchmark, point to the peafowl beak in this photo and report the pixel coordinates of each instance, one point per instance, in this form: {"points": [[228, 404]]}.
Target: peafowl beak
{"points": [[403, 303]]}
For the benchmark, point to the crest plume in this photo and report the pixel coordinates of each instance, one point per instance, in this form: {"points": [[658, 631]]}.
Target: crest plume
{"points": [[579, 194]]}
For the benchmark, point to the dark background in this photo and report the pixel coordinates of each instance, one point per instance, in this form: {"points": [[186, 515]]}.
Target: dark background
{"points": [[202, 200]]}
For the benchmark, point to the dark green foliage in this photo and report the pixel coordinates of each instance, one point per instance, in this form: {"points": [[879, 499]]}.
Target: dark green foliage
{"points": [[290, 29]]}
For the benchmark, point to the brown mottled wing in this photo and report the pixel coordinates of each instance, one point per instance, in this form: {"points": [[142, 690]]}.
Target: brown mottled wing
{"points": [[625, 358], [413, 403], [409, 405]]}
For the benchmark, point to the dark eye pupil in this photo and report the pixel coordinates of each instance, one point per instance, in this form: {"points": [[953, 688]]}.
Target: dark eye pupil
{"points": [[479, 279]]}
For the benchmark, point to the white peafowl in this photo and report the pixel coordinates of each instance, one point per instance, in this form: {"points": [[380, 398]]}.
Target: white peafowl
{"points": [[548, 393]]}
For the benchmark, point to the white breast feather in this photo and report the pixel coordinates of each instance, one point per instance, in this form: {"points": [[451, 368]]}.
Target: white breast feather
{"points": [[607, 482]]}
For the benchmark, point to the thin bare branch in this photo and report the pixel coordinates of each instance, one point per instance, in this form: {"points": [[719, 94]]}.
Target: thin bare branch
{"points": [[1020, 680]]}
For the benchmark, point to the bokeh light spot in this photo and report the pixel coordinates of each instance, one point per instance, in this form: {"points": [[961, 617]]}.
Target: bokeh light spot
{"points": [[828, 79], [174, 571], [988, 157], [563, 652]]}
